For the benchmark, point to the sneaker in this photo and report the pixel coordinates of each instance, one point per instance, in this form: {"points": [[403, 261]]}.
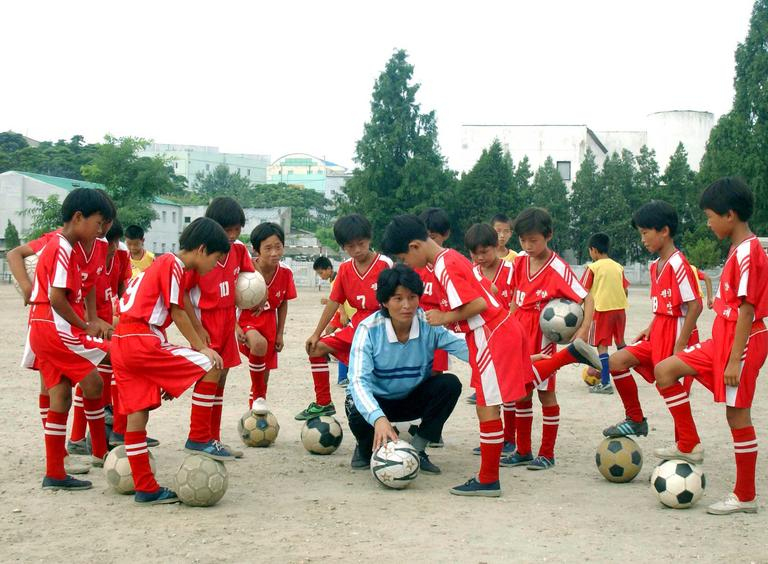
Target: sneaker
{"points": [[109, 416], [627, 428], [162, 495], [211, 449], [425, 465], [472, 399], [516, 459], [541, 463], [506, 450], [585, 354], [74, 466], [78, 447], [68, 483], [732, 504], [237, 453], [116, 439], [259, 406], [358, 460], [315, 410], [344, 382], [97, 462], [152, 443], [600, 388], [474, 488], [439, 443], [696, 456]]}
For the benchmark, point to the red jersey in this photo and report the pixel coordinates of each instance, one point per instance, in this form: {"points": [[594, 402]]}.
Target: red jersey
{"points": [[431, 297], [117, 270], [217, 288], [743, 280], [56, 268], [502, 280], [461, 284], [149, 296], [91, 264], [553, 280], [359, 289], [280, 288], [672, 286]]}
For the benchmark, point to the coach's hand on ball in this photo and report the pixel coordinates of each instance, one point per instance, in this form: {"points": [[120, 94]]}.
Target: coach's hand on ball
{"points": [[383, 432]]}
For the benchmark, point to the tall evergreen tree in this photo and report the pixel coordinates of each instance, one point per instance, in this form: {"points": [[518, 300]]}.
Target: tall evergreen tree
{"points": [[523, 175], [615, 196], [11, 236], [646, 181], [549, 191], [584, 200], [679, 189]]}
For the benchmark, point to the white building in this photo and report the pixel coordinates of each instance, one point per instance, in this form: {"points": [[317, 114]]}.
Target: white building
{"points": [[302, 169]]}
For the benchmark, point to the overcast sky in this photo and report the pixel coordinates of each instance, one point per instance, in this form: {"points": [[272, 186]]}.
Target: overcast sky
{"points": [[294, 76]]}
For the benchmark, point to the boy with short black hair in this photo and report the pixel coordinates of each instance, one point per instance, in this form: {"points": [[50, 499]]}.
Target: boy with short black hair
{"points": [[148, 368], [140, 257], [729, 363], [502, 225]]}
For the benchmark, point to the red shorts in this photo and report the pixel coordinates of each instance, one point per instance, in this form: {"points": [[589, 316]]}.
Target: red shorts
{"points": [[220, 324], [341, 343], [500, 361], [710, 358], [266, 325], [537, 342], [440, 362], [608, 328], [659, 345], [64, 354], [145, 363]]}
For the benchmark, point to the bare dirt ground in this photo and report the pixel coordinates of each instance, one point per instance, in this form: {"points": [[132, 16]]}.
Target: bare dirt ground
{"points": [[286, 505]]}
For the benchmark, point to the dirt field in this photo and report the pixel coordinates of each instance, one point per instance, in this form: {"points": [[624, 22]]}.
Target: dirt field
{"points": [[286, 505]]}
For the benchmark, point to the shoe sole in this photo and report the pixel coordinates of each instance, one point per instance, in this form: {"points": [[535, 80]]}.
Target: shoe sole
{"points": [[588, 353], [535, 468], [731, 511], [436, 445], [477, 493], [430, 472], [681, 456], [158, 501], [302, 417], [219, 458], [619, 435], [71, 488], [512, 465]]}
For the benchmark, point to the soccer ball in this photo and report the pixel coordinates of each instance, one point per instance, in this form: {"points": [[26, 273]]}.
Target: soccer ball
{"points": [[590, 376], [560, 319], [321, 435], [406, 430], [678, 484], [30, 264], [619, 459], [258, 430], [117, 470], [395, 465], [201, 481], [250, 289]]}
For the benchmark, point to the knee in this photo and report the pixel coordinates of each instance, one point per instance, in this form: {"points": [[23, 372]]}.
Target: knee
{"points": [[259, 348], [662, 374], [92, 386], [451, 383]]}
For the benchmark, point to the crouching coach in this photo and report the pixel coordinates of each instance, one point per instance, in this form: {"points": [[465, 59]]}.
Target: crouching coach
{"points": [[390, 371]]}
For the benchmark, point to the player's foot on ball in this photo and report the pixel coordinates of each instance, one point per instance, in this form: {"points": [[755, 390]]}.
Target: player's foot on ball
{"points": [[627, 428], [472, 399], [260, 406], [440, 443], [237, 453], [732, 504], [516, 459], [78, 447], [344, 382], [68, 483], [74, 466], [541, 463], [584, 354], [425, 464], [600, 388], [358, 460], [211, 449], [474, 488], [116, 439], [162, 495], [315, 410], [507, 450], [696, 456]]}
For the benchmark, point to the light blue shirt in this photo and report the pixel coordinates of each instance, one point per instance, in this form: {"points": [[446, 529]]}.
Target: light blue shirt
{"points": [[381, 366]]}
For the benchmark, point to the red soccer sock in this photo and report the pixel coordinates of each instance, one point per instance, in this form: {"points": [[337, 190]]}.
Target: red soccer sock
{"points": [[55, 444], [523, 424], [545, 367], [322, 379], [94, 414], [119, 422], [44, 403], [550, 425], [491, 443], [105, 371], [626, 386], [203, 397], [745, 450], [680, 409], [509, 422], [138, 458], [257, 366], [77, 433], [218, 405]]}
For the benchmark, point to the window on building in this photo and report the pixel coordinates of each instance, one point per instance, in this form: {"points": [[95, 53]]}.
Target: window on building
{"points": [[164, 217], [173, 217], [248, 171], [162, 247], [175, 165], [187, 219], [154, 246], [173, 247], [207, 167], [564, 168]]}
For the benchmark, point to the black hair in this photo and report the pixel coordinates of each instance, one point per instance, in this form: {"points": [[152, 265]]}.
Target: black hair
{"points": [[134, 232], [115, 232], [501, 218], [436, 220], [204, 231], [391, 278], [726, 194], [350, 228], [113, 209], [400, 232], [533, 220], [322, 263], [480, 235], [656, 214], [600, 242], [88, 202], [226, 212], [264, 231]]}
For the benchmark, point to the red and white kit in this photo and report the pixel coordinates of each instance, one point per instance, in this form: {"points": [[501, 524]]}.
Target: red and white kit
{"points": [[144, 361], [118, 270], [743, 280], [502, 280], [431, 299]]}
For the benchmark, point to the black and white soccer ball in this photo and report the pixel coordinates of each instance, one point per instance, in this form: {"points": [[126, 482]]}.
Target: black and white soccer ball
{"points": [[406, 430], [678, 484], [395, 464], [619, 459], [257, 430], [321, 435], [560, 319], [201, 481]]}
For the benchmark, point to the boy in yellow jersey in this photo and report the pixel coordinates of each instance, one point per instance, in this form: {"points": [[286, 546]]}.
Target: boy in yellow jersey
{"points": [[140, 257], [503, 227], [604, 278]]}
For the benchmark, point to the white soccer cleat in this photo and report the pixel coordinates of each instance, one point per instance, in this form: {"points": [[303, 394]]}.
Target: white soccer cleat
{"points": [[732, 504], [260, 406], [696, 456]]}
